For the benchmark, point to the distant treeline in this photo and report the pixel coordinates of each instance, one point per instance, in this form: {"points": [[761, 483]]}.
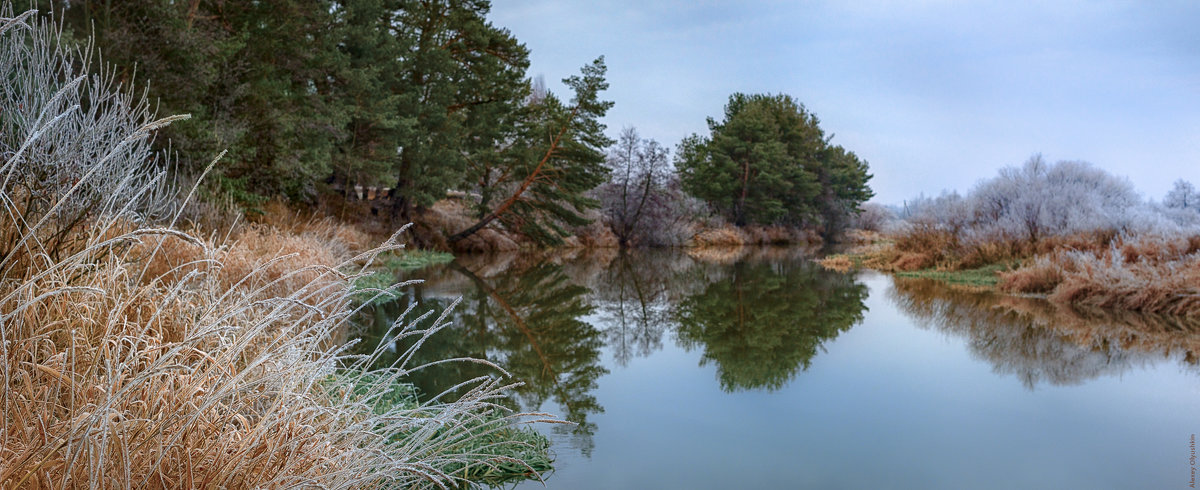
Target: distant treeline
{"points": [[423, 97]]}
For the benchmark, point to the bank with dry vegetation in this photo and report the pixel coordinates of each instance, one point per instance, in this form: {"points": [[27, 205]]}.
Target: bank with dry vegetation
{"points": [[141, 348], [1068, 231]]}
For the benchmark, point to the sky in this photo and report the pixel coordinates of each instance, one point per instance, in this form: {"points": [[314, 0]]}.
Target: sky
{"points": [[934, 95]]}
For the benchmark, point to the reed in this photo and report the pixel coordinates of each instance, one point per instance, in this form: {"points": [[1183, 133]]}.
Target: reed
{"points": [[136, 354]]}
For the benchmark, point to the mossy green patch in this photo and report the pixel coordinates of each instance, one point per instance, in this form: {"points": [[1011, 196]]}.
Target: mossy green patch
{"points": [[384, 275], [408, 260], [987, 276], [500, 451]]}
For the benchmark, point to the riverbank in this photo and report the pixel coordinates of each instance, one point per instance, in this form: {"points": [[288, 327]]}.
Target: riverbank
{"points": [[150, 340], [1147, 273], [431, 227]]}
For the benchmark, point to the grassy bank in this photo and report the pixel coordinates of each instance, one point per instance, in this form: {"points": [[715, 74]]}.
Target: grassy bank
{"points": [[1151, 273], [141, 352]]}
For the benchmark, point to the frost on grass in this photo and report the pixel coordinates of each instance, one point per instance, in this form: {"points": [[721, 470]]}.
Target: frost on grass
{"points": [[135, 354]]}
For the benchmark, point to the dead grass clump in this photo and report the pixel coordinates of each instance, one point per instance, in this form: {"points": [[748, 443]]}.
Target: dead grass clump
{"points": [[723, 236], [768, 235], [839, 263], [912, 261], [1042, 277], [1147, 274], [991, 252]]}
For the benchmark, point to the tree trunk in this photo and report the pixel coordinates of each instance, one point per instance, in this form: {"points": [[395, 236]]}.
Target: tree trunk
{"points": [[520, 190]]}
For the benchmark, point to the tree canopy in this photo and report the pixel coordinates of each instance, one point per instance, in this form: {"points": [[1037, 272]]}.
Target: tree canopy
{"points": [[769, 162]]}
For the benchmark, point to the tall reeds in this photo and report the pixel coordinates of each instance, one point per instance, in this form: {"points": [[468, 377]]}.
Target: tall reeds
{"points": [[134, 354]]}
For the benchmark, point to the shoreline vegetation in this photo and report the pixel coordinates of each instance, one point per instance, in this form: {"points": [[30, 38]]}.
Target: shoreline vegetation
{"points": [[145, 344], [172, 320], [1068, 232]]}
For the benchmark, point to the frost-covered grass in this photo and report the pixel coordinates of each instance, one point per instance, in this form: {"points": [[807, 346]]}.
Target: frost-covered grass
{"points": [[135, 354], [1150, 274], [1080, 235]]}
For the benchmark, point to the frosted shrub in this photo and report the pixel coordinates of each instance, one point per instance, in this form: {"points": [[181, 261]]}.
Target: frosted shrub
{"points": [[73, 145], [1038, 200]]}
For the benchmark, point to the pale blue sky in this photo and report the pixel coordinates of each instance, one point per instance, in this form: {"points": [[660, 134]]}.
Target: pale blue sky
{"points": [[933, 94]]}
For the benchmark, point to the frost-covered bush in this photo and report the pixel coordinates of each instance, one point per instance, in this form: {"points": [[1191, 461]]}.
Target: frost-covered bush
{"points": [[72, 144], [1040, 200], [873, 217], [1183, 196]]}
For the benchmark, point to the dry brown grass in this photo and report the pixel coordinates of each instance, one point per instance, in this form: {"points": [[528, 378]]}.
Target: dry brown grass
{"points": [[724, 236], [1040, 277], [1147, 274], [718, 255], [839, 263], [214, 370]]}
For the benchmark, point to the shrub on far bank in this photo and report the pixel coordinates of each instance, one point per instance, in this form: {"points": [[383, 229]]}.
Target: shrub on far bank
{"points": [[1068, 230]]}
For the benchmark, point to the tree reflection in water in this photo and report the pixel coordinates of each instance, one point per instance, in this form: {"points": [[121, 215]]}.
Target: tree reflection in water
{"points": [[1043, 343], [764, 322], [531, 323], [760, 319]]}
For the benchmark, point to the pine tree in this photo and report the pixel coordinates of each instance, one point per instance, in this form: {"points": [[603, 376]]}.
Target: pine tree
{"points": [[556, 155], [769, 162]]}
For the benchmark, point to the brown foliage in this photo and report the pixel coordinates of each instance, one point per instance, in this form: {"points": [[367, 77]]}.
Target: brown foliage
{"points": [[1040, 278]]}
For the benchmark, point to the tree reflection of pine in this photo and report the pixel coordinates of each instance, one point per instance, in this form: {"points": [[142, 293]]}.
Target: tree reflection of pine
{"points": [[765, 321], [529, 322], [760, 318], [1041, 342]]}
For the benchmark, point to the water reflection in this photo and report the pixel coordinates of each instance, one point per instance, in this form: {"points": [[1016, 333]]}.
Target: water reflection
{"points": [[1039, 342], [759, 317], [764, 321]]}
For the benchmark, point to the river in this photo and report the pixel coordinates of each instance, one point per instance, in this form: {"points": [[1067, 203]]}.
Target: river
{"points": [[759, 369]]}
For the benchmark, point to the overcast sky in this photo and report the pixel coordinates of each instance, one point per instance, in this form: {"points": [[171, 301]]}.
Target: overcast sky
{"points": [[933, 94]]}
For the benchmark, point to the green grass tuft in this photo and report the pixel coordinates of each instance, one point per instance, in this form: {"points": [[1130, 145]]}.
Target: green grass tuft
{"points": [[987, 276], [408, 260]]}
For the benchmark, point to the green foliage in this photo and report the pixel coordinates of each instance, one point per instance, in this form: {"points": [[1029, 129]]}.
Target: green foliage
{"points": [[762, 324], [254, 75], [410, 260], [769, 162], [503, 452], [986, 276], [554, 155], [462, 82], [534, 322]]}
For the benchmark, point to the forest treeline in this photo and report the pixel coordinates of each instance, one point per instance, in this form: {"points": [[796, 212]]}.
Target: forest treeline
{"points": [[314, 98]]}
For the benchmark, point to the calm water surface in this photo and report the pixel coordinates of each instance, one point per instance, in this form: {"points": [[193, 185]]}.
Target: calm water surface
{"points": [[761, 370]]}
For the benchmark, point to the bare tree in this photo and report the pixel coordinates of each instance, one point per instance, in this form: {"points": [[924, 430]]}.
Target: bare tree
{"points": [[1182, 196], [638, 189], [73, 145]]}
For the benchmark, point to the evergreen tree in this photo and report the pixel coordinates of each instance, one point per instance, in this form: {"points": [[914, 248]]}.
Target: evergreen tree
{"points": [[555, 156], [463, 79], [769, 162], [253, 75]]}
